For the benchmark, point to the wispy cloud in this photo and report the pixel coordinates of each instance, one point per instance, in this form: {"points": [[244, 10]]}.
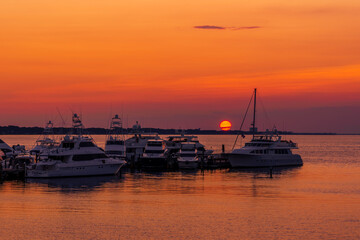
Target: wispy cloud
{"points": [[214, 27], [210, 27]]}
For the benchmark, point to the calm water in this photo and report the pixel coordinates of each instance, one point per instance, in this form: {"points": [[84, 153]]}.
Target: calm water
{"points": [[320, 200]]}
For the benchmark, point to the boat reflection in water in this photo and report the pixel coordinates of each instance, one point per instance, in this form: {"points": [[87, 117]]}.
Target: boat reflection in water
{"points": [[75, 183], [262, 182], [265, 172]]}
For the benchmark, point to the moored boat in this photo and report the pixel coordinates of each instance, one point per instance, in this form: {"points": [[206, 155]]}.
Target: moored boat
{"points": [[45, 142], [75, 156], [266, 150], [187, 158], [155, 155], [174, 143], [115, 142], [135, 146]]}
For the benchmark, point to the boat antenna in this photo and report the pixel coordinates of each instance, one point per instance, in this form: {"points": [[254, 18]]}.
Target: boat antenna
{"points": [[254, 116], [284, 130], [62, 119], [242, 123], [77, 124]]}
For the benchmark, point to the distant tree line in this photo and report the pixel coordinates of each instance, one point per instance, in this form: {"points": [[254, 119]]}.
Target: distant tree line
{"points": [[16, 130]]}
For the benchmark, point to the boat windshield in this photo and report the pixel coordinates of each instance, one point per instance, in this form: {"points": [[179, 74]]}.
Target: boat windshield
{"points": [[192, 155], [188, 150], [67, 145], [257, 144], [86, 144], [154, 151], [88, 157], [115, 142], [114, 152], [154, 144], [56, 158]]}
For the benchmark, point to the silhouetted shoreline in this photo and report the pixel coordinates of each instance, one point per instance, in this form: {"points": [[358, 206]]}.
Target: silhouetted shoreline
{"points": [[16, 130]]}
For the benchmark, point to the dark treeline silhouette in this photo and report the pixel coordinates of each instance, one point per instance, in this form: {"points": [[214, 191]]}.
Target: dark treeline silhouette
{"points": [[16, 130]]}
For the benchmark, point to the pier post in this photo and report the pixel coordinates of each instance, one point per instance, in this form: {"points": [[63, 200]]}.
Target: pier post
{"points": [[118, 172], [1, 172], [271, 170], [25, 169]]}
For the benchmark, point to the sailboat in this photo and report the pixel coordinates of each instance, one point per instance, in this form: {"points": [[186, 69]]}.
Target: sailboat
{"points": [[265, 150]]}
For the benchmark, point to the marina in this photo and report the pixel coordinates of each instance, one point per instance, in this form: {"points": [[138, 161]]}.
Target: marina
{"points": [[76, 154], [153, 156], [317, 200]]}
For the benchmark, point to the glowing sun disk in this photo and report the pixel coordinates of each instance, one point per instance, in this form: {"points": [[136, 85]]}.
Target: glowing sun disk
{"points": [[225, 125]]}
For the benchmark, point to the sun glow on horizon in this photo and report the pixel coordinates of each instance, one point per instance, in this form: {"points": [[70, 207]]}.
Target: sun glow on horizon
{"points": [[225, 125]]}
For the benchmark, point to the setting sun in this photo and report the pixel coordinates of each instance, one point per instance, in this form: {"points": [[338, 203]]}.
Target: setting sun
{"points": [[225, 125]]}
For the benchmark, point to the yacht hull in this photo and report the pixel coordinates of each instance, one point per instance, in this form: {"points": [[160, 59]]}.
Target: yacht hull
{"points": [[268, 160], [188, 164], [153, 163], [75, 171]]}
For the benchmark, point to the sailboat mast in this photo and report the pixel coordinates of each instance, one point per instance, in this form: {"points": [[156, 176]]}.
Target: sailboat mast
{"points": [[253, 124]]}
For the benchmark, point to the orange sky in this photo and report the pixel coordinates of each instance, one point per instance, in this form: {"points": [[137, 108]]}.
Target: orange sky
{"points": [[146, 60]]}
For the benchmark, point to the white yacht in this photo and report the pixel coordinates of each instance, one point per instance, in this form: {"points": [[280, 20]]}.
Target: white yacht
{"points": [[115, 144], [187, 158], [267, 150], [155, 155], [75, 156], [135, 146], [174, 144], [44, 143]]}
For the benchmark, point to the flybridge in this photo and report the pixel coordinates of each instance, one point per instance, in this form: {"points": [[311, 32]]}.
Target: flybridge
{"points": [[183, 138], [266, 138]]}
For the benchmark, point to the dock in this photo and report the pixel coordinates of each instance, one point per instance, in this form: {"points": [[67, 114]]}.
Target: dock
{"points": [[217, 161], [12, 169], [12, 174]]}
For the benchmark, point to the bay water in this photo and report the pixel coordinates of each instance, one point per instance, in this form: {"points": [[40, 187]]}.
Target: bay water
{"points": [[320, 200]]}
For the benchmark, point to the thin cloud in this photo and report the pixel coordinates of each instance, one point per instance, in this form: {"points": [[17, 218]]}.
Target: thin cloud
{"points": [[213, 27], [210, 27]]}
